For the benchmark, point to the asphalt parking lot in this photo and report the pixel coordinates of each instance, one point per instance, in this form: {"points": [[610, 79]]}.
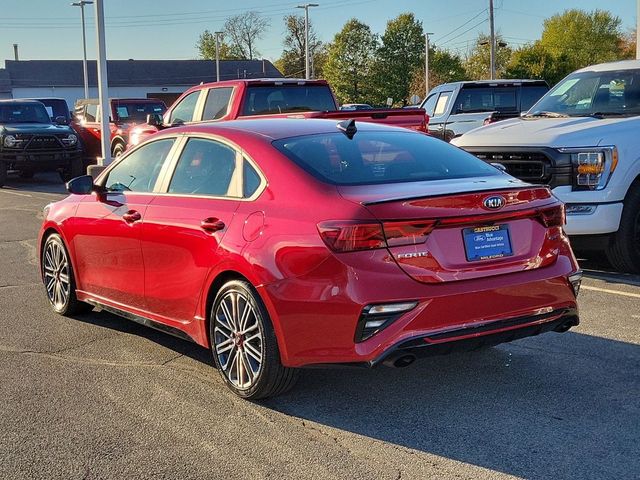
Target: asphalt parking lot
{"points": [[99, 397]]}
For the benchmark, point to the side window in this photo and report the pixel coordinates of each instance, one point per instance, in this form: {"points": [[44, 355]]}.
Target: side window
{"points": [[183, 111], [217, 103], [441, 105], [91, 113], [205, 167], [250, 179], [430, 104], [139, 171]]}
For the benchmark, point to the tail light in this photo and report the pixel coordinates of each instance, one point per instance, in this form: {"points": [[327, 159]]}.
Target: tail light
{"points": [[554, 216], [351, 236]]}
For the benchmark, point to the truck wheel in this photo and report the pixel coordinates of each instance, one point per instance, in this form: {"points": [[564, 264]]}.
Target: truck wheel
{"points": [[3, 173], [75, 169], [118, 149], [623, 250]]}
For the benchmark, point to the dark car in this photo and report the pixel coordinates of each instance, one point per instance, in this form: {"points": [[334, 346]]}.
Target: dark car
{"points": [[285, 243], [31, 142], [455, 108]]}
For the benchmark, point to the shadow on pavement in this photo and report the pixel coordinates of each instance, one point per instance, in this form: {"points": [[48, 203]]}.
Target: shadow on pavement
{"points": [[527, 409], [553, 406], [46, 182]]}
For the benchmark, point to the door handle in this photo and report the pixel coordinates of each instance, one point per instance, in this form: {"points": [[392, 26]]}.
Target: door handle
{"points": [[131, 216], [212, 224]]}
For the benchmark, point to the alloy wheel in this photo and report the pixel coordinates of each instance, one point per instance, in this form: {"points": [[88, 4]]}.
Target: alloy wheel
{"points": [[57, 278], [238, 340]]}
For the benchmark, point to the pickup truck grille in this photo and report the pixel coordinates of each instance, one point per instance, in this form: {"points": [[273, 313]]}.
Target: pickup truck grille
{"points": [[530, 167], [44, 142]]}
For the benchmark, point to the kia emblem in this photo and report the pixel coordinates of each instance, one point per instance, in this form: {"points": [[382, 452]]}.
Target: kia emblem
{"points": [[495, 202]]}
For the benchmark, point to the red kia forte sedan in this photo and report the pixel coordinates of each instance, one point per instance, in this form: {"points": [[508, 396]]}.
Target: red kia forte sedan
{"points": [[287, 243]]}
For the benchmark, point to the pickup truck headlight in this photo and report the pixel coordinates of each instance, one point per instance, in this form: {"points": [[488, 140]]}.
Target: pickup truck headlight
{"points": [[10, 141], [70, 140], [592, 167]]}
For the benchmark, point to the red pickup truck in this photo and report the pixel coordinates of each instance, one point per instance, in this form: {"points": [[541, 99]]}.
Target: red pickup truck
{"points": [[241, 99]]}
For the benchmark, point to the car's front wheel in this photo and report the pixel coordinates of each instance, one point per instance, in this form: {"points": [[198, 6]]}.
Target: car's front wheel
{"points": [[58, 278], [244, 344], [624, 248]]}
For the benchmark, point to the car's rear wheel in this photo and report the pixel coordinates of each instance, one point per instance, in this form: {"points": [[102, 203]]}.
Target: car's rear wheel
{"points": [[244, 344], [624, 248], [3, 173], [58, 278]]}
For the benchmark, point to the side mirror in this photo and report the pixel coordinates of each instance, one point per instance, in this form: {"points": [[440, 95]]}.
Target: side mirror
{"points": [[82, 185], [60, 120], [154, 119]]}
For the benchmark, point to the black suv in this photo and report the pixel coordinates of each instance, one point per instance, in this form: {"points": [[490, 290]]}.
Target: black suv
{"points": [[30, 142]]}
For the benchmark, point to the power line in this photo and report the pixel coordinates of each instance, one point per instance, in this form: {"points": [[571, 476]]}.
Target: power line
{"points": [[466, 31], [459, 27]]}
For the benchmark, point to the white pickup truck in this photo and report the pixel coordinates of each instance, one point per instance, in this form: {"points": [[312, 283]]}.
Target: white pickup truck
{"points": [[583, 139]]}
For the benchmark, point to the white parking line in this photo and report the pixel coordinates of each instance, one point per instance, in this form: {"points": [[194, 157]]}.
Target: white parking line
{"points": [[606, 290], [4, 190]]}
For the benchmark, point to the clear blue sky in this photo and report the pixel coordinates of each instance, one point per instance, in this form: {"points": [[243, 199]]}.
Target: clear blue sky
{"points": [[165, 29]]}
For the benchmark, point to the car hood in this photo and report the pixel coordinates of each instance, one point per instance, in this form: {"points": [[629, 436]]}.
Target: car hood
{"points": [[33, 128], [547, 132]]}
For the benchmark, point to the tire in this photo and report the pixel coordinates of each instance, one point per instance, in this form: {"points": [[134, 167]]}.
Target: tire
{"points": [[3, 173], [246, 355], [623, 251], [75, 169], [117, 150], [58, 278], [26, 174]]}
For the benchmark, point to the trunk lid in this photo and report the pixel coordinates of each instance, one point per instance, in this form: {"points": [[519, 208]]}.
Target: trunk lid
{"points": [[465, 230]]}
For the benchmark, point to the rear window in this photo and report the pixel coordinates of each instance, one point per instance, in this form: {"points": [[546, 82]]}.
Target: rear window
{"points": [[487, 99], [137, 112], [530, 95], [381, 157], [286, 99]]}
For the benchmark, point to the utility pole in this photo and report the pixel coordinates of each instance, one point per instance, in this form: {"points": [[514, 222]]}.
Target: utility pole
{"points": [[426, 63], [103, 88], [81, 4], [492, 29], [638, 30], [307, 68], [218, 55]]}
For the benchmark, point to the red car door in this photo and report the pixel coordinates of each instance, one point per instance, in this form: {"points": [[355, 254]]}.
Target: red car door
{"points": [[184, 226], [86, 123], [107, 227]]}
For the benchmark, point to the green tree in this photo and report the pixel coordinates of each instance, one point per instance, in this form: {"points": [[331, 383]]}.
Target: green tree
{"points": [[444, 67], [585, 38], [206, 46], [534, 61], [349, 60], [477, 63], [400, 54], [292, 61]]}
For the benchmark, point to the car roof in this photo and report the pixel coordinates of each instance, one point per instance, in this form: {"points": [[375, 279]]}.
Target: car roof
{"points": [[20, 100], [492, 82], [605, 67], [278, 128]]}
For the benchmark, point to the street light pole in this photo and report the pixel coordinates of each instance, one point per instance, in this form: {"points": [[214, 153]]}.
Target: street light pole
{"points": [[218, 55], [638, 30], [103, 83], [81, 4], [307, 68], [492, 29], [426, 63]]}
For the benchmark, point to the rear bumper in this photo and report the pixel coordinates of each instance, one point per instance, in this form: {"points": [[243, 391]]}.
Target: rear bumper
{"points": [[477, 336]]}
